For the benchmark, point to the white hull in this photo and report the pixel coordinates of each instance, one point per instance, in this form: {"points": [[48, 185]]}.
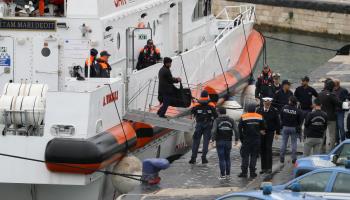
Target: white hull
{"points": [[86, 106]]}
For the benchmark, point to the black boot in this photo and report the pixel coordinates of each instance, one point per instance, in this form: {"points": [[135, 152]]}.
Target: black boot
{"points": [[204, 161], [192, 161], [242, 175], [253, 174]]}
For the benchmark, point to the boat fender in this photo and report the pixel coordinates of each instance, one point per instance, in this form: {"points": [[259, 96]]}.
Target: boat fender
{"points": [[151, 168], [248, 95], [128, 165]]}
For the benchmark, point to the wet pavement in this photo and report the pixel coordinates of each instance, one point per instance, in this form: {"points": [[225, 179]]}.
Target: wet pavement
{"points": [[185, 181]]}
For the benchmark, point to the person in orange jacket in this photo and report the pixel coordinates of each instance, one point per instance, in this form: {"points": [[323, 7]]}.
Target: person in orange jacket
{"points": [[205, 113], [91, 62], [103, 67], [149, 55]]}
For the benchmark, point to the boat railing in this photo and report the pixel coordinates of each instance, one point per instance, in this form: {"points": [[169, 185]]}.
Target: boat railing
{"points": [[243, 14]]}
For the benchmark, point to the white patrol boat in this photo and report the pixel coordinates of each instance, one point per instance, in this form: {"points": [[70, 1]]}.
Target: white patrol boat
{"points": [[59, 132]]}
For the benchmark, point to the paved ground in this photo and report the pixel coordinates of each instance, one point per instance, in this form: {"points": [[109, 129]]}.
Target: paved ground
{"points": [[185, 181]]}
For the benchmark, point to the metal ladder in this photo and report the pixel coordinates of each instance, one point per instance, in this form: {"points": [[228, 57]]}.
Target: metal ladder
{"points": [[180, 124]]}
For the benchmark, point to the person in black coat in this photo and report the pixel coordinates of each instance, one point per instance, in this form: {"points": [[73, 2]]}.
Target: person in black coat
{"points": [[264, 84], [342, 95], [272, 124], [282, 96], [304, 95], [166, 88], [330, 103]]}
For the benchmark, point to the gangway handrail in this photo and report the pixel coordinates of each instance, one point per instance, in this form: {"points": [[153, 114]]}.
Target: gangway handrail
{"points": [[245, 15]]}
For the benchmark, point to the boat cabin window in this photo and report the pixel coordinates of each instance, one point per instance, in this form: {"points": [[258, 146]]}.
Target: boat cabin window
{"points": [[202, 9], [33, 8]]}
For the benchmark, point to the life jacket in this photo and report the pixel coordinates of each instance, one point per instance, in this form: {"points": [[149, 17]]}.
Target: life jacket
{"points": [[90, 61], [266, 79], [204, 110], [103, 65], [149, 53]]}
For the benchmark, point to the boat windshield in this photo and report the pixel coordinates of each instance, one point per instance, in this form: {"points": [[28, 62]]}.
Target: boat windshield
{"points": [[32, 8]]}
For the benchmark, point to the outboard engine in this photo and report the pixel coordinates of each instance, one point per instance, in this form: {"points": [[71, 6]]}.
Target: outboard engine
{"points": [[151, 169]]}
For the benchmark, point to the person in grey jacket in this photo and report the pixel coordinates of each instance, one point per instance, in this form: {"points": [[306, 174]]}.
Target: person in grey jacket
{"points": [[222, 133]]}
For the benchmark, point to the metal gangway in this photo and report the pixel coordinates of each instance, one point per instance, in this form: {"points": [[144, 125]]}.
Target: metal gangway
{"points": [[182, 121]]}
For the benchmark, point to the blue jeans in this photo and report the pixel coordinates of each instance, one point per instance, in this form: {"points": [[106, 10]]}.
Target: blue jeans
{"points": [[224, 150], [286, 132], [340, 127], [202, 128]]}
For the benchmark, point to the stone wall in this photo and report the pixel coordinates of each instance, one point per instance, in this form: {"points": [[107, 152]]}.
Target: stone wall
{"points": [[296, 18]]}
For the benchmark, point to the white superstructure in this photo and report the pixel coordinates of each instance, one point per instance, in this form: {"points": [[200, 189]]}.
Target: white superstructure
{"points": [[38, 53]]}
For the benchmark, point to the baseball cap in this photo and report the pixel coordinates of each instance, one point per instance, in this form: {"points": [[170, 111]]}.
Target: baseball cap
{"points": [[105, 53], [305, 78]]}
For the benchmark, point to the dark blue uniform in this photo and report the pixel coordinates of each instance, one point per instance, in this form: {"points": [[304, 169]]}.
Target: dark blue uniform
{"points": [[291, 118], [222, 133], [272, 123], [250, 127], [281, 99], [204, 111]]}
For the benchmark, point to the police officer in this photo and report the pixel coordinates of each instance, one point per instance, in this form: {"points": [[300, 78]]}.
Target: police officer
{"points": [[103, 69], [272, 123], [251, 127], [264, 84], [282, 96], [291, 119], [222, 132], [315, 127], [149, 55], [304, 94], [91, 63], [330, 103], [204, 112]]}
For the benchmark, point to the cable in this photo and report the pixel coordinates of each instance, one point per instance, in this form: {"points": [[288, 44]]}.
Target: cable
{"points": [[246, 46], [130, 176], [302, 44], [121, 121], [222, 69], [183, 66]]}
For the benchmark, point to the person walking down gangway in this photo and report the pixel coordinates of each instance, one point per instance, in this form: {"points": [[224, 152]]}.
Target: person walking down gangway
{"points": [[149, 55], [304, 94], [330, 103], [222, 133], [272, 123], [343, 96], [315, 128], [281, 97], [166, 88], [291, 119], [204, 112], [264, 84], [251, 127]]}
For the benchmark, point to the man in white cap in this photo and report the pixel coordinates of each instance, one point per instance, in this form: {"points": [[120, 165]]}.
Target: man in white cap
{"points": [[272, 123]]}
